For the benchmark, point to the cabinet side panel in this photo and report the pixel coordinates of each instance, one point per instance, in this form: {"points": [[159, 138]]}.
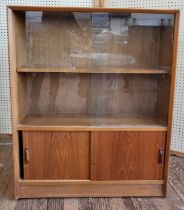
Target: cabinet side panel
{"points": [[14, 97], [171, 99]]}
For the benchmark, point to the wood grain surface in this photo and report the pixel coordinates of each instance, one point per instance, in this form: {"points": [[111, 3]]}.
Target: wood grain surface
{"points": [[107, 70], [142, 49], [72, 122], [39, 44], [90, 9], [56, 155], [126, 155], [174, 199], [95, 95]]}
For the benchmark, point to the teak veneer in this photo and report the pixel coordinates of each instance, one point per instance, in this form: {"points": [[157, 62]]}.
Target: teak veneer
{"points": [[90, 123], [127, 70], [92, 94]]}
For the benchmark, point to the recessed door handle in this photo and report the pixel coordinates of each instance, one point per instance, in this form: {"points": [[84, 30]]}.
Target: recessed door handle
{"points": [[161, 155], [27, 154]]}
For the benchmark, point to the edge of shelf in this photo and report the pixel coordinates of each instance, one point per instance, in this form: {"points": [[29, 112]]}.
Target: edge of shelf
{"points": [[21, 127], [99, 70], [87, 123], [68, 181]]}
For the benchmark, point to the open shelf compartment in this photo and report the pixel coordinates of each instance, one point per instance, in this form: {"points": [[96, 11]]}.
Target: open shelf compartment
{"points": [[94, 42], [93, 101]]}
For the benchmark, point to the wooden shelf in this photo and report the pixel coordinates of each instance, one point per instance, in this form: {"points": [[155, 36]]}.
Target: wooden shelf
{"points": [[124, 70], [89, 123]]}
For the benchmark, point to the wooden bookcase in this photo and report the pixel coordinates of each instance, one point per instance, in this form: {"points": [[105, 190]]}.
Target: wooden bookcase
{"points": [[92, 100]]}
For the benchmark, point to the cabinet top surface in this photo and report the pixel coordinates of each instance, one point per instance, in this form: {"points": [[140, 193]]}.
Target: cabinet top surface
{"points": [[90, 9]]}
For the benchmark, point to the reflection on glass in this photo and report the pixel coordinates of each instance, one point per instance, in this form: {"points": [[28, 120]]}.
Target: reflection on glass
{"points": [[112, 69], [97, 40]]}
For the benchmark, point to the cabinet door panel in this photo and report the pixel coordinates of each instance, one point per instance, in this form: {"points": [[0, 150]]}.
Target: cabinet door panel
{"points": [[56, 155], [126, 155]]}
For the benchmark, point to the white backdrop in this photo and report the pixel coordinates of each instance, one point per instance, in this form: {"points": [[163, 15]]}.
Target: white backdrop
{"points": [[5, 105]]}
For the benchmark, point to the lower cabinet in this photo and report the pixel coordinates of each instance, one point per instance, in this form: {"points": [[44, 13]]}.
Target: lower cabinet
{"points": [[56, 155], [127, 155], [96, 156]]}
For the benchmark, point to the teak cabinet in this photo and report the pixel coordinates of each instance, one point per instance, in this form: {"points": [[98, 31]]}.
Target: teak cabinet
{"points": [[92, 98]]}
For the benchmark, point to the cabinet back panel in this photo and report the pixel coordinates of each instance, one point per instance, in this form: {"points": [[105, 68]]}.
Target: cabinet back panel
{"points": [[96, 94]]}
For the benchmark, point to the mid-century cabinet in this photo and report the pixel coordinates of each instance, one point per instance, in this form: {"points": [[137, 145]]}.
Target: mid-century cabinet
{"points": [[92, 98]]}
